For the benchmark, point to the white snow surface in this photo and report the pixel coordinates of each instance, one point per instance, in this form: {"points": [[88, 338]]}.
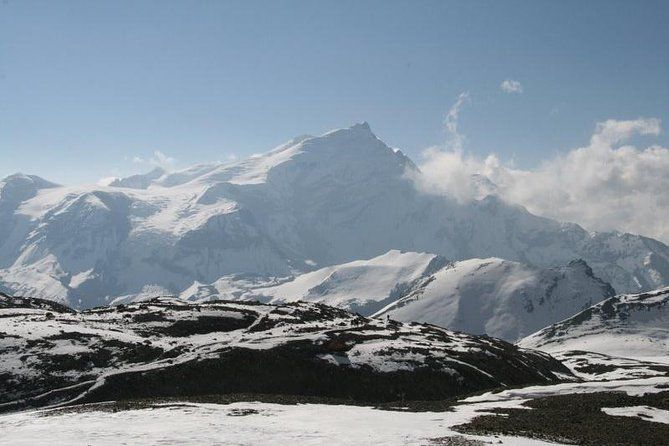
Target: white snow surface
{"points": [[592, 366], [196, 424], [354, 285], [633, 387], [645, 413], [311, 203], [255, 423]]}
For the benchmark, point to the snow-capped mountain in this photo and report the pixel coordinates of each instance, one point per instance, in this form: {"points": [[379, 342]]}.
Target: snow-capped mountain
{"points": [[497, 297], [168, 347], [362, 286], [141, 181], [310, 203], [628, 326]]}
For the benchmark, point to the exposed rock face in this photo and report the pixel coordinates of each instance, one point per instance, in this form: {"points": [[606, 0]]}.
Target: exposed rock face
{"points": [[167, 347]]}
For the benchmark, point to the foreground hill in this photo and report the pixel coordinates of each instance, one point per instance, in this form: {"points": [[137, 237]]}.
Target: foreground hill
{"points": [[311, 203], [500, 298], [629, 325], [50, 354]]}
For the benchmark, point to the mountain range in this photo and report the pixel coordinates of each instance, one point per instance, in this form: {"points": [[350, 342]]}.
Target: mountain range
{"points": [[492, 296], [309, 204]]}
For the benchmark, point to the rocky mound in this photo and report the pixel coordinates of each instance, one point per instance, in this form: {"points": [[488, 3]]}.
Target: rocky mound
{"points": [[168, 347]]}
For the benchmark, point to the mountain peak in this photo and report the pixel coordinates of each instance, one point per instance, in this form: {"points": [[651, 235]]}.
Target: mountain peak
{"points": [[15, 176], [361, 129], [364, 126], [140, 181], [18, 187], [39, 182]]}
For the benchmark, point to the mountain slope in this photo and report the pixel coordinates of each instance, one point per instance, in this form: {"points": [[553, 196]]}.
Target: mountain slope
{"points": [[362, 286], [168, 347], [310, 203], [630, 326], [498, 297]]}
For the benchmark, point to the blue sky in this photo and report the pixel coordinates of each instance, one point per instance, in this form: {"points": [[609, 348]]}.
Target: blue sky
{"points": [[85, 87]]}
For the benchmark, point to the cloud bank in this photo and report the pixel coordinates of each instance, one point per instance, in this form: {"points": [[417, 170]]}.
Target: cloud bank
{"points": [[606, 185]]}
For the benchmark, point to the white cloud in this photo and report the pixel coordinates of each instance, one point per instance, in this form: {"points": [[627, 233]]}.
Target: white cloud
{"points": [[446, 171], [455, 139], [159, 159], [106, 181], [612, 131], [511, 86], [606, 185]]}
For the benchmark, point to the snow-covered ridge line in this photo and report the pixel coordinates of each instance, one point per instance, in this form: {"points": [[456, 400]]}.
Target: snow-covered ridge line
{"points": [[629, 325]]}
